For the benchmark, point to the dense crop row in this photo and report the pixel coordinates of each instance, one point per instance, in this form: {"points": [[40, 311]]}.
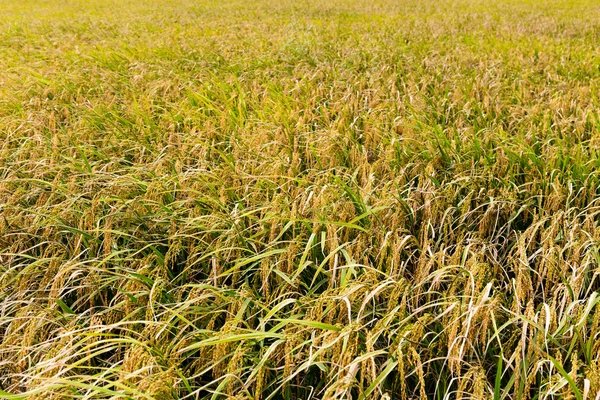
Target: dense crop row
{"points": [[292, 200]]}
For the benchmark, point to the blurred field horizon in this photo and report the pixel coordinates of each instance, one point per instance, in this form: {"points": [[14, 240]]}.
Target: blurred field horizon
{"points": [[299, 200]]}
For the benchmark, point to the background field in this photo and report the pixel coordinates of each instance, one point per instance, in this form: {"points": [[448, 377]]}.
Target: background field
{"points": [[293, 199]]}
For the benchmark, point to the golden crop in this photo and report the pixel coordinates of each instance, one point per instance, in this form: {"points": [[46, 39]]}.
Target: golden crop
{"points": [[299, 200]]}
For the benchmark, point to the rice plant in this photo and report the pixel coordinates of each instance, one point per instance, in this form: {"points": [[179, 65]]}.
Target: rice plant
{"points": [[299, 200]]}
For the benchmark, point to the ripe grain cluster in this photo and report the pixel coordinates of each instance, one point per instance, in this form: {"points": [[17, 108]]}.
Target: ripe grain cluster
{"points": [[280, 199]]}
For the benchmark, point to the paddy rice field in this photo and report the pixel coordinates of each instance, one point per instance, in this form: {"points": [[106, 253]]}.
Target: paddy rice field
{"points": [[278, 199]]}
